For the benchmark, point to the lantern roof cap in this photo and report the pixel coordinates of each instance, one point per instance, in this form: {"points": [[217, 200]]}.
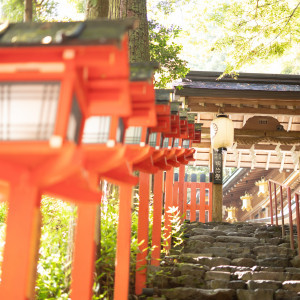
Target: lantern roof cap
{"points": [[183, 114], [175, 107], [142, 71], [198, 126], [191, 117], [162, 96], [94, 32]]}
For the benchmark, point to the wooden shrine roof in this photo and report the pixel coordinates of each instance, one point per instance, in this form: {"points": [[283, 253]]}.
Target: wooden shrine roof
{"points": [[95, 32], [274, 101]]}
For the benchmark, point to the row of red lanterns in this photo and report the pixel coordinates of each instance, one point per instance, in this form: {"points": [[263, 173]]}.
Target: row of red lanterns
{"points": [[69, 116]]}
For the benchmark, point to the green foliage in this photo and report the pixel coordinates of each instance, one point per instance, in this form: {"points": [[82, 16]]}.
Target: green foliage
{"points": [[177, 231], [54, 261], [105, 265], [169, 6], [164, 50], [43, 10], [3, 212], [254, 29]]}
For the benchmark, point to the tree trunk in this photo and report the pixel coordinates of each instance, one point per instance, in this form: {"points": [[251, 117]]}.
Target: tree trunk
{"points": [[28, 11], [96, 9], [138, 38]]}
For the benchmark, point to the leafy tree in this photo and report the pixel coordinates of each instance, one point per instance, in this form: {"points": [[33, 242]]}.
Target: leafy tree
{"points": [[164, 50], [256, 29], [150, 41], [54, 265], [43, 10]]}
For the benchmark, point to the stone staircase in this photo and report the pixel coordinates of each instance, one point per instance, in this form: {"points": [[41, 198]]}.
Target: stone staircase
{"points": [[220, 261]]}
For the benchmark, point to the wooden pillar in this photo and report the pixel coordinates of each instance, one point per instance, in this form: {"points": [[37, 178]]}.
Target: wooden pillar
{"points": [[123, 244], [168, 204], [157, 213], [22, 241], [84, 251], [217, 189], [181, 190], [143, 227], [217, 196]]}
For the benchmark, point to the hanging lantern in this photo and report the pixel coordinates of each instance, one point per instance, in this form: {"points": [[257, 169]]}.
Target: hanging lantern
{"points": [[231, 214], [221, 132], [246, 202], [262, 187]]}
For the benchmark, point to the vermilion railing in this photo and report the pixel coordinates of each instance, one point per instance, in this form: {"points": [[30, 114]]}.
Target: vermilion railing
{"points": [[288, 191], [297, 196], [197, 201]]}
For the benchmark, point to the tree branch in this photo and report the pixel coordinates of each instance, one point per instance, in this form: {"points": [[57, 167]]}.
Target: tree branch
{"points": [[287, 22]]}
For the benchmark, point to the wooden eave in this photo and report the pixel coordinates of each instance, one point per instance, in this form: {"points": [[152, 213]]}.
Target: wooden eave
{"points": [[265, 95]]}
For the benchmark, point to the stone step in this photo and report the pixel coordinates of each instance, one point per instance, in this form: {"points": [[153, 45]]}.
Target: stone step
{"points": [[185, 293], [240, 261]]}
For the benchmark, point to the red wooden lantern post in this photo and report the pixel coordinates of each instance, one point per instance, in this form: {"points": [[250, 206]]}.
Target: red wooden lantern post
{"points": [[135, 150], [47, 92]]}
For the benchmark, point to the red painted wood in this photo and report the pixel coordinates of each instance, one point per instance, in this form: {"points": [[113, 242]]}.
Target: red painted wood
{"points": [[168, 205], [271, 204], [123, 244], [202, 206], [181, 190], [290, 217], [202, 202], [157, 213], [175, 193], [298, 220], [84, 252], [143, 226], [22, 241], [193, 202], [282, 214], [275, 204], [185, 206]]}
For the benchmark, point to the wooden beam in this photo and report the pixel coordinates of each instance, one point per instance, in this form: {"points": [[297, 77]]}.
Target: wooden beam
{"points": [[262, 147], [213, 100], [247, 164], [255, 133], [277, 134], [290, 124], [282, 162], [268, 161], [243, 110]]}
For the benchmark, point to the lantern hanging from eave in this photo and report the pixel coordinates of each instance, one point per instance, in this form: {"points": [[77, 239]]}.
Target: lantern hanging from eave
{"points": [[246, 202], [262, 187], [231, 214], [221, 132]]}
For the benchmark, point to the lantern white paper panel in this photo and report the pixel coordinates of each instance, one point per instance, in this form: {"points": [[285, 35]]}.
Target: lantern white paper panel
{"points": [[133, 135], [222, 133], [153, 139], [28, 110], [186, 144], [96, 130]]}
